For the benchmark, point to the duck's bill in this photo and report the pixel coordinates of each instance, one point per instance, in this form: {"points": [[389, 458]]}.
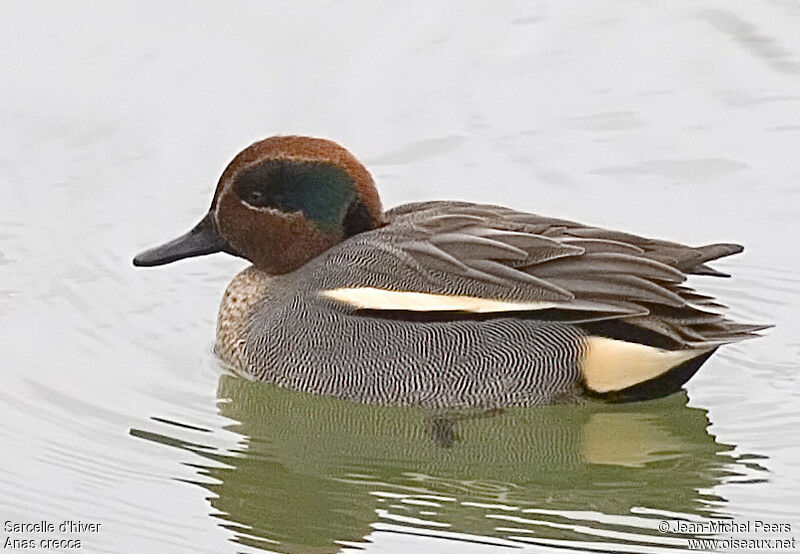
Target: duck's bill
{"points": [[203, 239]]}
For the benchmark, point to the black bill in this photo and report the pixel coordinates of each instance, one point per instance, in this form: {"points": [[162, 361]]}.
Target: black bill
{"points": [[203, 239]]}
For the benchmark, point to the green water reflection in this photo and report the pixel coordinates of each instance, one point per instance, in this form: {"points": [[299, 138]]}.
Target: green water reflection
{"points": [[313, 470]]}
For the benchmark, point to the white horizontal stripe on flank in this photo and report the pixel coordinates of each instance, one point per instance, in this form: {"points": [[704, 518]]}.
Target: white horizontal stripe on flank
{"points": [[369, 298], [610, 365]]}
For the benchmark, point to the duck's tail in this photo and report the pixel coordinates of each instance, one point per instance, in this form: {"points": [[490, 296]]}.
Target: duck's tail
{"points": [[697, 264]]}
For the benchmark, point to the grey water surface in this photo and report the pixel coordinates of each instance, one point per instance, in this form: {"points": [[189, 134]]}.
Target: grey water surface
{"points": [[676, 120]]}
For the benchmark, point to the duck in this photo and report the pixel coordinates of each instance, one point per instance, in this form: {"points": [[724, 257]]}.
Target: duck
{"points": [[442, 304]]}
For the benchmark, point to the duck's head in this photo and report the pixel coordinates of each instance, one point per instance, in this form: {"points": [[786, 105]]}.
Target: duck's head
{"points": [[279, 203]]}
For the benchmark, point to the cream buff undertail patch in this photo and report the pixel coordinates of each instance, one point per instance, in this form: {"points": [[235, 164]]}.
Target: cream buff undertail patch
{"points": [[611, 365]]}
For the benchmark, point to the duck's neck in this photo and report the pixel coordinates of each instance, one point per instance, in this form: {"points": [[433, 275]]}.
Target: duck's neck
{"points": [[243, 292], [358, 218]]}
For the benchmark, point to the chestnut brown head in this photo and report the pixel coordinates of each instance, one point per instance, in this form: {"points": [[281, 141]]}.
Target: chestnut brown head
{"points": [[281, 202]]}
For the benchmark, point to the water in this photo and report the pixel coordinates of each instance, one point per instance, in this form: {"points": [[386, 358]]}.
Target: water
{"points": [[679, 121]]}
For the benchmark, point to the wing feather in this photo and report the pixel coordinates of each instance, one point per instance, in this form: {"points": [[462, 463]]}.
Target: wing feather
{"points": [[612, 263], [495, 257], [475, 246]]}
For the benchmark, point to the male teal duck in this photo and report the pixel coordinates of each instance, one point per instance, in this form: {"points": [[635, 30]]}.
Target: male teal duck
{"points": [[441, 304]]}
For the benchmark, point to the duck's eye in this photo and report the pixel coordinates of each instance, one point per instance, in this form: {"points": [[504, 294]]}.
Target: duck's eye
{"points": [[254, 196]]}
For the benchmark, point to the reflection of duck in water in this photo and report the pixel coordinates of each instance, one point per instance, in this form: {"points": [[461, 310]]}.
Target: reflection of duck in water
{"points": [[312, 470], [441, 303]]}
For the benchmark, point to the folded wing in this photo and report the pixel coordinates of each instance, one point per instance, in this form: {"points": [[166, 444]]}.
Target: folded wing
{"points": [[461, 257]]}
